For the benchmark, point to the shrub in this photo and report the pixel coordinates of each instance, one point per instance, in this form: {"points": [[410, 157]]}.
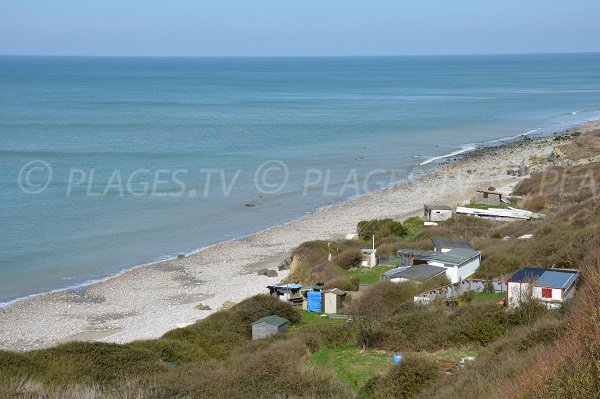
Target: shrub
{"points": [[535, 203], [319, 336], [479, 324], [380, 228], [404, 380], [349, 258], [411, 329]]}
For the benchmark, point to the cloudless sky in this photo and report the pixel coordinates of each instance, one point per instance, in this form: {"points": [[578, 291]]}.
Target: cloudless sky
{"points": [[297, 27]]}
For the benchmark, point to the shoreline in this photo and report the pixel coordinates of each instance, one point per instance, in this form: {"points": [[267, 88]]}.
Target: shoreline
{"points": [[150, 299], [433, 162]]}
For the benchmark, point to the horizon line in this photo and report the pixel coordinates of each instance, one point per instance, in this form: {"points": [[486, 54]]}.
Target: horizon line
{"points": [[299, 55]]}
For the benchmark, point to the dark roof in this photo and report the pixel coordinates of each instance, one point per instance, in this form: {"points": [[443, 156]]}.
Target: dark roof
{"points": [[454, 257], [392, 272], [554, 278], [273, 320], [436, 206], [526, 274], [447, 242], [335, 291], [420, 272]]}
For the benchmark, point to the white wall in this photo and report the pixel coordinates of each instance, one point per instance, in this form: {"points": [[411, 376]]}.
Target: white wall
{"points": [[439, 215], [469, 268], [455, 274], [518, 293], [330, 302], [556, 294]]}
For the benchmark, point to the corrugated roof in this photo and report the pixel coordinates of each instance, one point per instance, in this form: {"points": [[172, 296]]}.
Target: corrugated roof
{"points": [[273, 320], [557, 278], [420, 272], [554, 278], [447, 242]]}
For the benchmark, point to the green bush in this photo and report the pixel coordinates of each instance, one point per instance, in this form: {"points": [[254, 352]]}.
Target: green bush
{"points": [[349, 258], [380, 228], [404, 380], [479, 324]]}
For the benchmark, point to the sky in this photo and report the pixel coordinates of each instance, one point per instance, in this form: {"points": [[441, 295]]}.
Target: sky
{"points": [[297, 27]]}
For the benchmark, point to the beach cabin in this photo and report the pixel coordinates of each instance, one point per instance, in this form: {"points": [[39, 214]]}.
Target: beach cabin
{"points": [[369, 257], [306, 291], [445, 244], [552, 287], [459, 263], [437, 213], [286, 292], [488, 197], [417, 274], [268, 326], [333, 300]]}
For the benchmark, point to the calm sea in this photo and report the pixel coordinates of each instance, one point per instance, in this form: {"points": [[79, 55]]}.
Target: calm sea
{"points": [[108, 163]]}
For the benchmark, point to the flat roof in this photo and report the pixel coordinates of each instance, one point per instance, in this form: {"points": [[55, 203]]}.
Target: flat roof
{"points": [[454, 257], [289, 286], [335, 291], [438, 206], [490, 192], [420, 272]]}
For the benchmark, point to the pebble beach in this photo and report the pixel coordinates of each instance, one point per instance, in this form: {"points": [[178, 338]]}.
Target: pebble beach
{"points": [[150, 300]]}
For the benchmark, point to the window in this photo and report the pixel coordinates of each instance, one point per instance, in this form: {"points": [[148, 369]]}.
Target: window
{"points": [[546, 292], [485, 195]]}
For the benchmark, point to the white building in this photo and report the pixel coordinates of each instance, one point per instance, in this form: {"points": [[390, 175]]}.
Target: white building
{"points": [[459, 263], [551, 287], [333, 300], [369, 257]]}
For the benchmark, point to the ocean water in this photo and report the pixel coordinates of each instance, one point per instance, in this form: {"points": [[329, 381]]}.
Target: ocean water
{"points": [[108, 163]]}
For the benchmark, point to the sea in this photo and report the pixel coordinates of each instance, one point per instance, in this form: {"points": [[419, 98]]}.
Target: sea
{"points": [[107, 163]]}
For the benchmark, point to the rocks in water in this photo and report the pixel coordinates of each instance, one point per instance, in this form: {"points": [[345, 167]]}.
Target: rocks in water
{"points": [[180, 256], [201, 306], [267, 272], [249, 205]]}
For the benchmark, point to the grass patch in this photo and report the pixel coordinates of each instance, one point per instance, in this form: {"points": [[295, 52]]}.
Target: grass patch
{"points": [[352, 365], [311, 318], [483, 297], [370, 276]]}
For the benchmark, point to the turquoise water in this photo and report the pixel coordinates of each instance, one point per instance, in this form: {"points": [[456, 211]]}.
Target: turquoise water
{"points": [[131, 143]]}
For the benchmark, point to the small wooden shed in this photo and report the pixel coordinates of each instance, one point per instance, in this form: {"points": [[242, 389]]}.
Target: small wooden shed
{"points": [[268, 326], [333, 300]]}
